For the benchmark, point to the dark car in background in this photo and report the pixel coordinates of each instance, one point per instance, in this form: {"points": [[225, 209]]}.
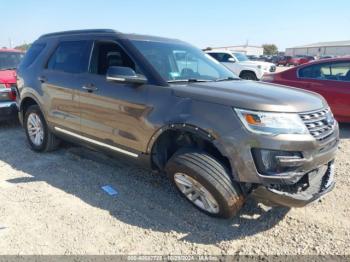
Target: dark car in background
{"points": [[327, 56], [253, 57], [283, 60], [9, 60], [329, 78], [159, 102]]}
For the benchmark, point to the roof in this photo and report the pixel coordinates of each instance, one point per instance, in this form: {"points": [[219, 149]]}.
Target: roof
{"points": [[78, 32], [235, 46], [337, 59], [109, 31], [10, 50], [325, 44], [217, 50]]}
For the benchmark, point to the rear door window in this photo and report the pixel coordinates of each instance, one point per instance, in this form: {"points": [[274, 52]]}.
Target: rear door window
{"points": [[338, 71], [221, 57], [71, 57]]}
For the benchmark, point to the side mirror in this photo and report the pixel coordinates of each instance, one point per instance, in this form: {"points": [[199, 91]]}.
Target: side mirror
{"points": [[124, 75], [231, 60]]}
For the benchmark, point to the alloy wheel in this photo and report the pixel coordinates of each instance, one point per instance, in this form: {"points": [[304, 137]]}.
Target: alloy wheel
{"points": [[35, 129], [196, 193]]}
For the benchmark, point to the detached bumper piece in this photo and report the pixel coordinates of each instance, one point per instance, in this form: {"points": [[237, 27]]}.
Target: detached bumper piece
{"points": [[311, 187], [8, 110]]}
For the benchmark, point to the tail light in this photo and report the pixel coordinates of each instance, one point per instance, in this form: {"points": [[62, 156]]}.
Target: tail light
{"points": [[13, 94], [8, 92]]}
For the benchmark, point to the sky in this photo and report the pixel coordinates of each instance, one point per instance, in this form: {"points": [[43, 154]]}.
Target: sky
{"points": [[203, 23]]}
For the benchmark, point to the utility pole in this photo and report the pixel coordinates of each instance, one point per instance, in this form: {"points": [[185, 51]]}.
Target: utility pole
{"points": [[10, 43]]}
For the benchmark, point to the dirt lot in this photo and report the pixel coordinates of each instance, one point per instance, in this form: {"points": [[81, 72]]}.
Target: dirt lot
{"points": [[53, 204]]}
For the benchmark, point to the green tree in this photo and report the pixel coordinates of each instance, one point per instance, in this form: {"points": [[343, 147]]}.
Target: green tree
{"points": [[270, 49], [23, 47]]}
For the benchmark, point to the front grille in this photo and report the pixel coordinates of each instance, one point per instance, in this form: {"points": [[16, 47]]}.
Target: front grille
{"points": [[320, 123], [272, 69]]}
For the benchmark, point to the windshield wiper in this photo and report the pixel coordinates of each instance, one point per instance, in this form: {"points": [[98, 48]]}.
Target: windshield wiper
{"points": [[190, 80], [227, 79]]}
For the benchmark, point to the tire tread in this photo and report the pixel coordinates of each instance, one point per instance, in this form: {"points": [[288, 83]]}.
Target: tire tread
{"points": [[215, 173]]}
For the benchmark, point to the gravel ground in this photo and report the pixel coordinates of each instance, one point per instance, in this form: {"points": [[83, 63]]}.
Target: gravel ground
{"points": [[53, 204]]}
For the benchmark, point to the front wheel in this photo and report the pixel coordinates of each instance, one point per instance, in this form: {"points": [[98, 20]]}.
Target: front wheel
{"points": [[206, 183], [40, 138]]}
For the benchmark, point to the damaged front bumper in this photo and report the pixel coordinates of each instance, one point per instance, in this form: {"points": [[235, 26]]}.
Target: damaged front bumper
{"points": [[311, 187]]}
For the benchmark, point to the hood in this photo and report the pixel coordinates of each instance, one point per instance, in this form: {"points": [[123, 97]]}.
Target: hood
{"points": [[252, 95], [8, 76], [256, 63]]}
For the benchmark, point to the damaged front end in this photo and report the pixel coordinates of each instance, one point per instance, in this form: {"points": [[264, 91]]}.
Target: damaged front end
{"points": [[309, 188]]}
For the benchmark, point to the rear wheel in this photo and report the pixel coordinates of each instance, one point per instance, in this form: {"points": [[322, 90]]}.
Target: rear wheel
{"points": [[40, 138], [248, 76], [206, 183]]}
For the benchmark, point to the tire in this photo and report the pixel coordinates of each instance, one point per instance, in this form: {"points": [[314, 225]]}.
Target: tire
{"points": [[249, 76], [48, 141], [211, 175]]}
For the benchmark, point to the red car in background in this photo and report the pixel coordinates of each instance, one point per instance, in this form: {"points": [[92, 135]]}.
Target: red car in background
{"points": [[9, 60], [299, 60], [329, 77], [283, 61]]}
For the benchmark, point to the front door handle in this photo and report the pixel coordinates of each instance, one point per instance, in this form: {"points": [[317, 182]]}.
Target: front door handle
{"points": [[89, 87]]}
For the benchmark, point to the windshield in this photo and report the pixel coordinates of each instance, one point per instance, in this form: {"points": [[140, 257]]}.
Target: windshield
{"points": [[241, 57], [10, 60], [180, 62]]}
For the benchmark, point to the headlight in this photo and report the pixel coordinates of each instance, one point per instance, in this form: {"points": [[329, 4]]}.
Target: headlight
{"points": [[272, 123]]}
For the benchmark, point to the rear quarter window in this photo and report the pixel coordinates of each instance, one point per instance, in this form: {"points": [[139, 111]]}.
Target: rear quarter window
{"points": [[336, 71], [33, 52]]}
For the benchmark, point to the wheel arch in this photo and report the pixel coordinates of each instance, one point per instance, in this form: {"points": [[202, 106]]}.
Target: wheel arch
{"points": [[27, 101], [168, 139], [248, 71]]}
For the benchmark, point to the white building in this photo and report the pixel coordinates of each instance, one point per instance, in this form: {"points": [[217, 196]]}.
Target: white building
{"points": [[246, 49], [337, 48]]}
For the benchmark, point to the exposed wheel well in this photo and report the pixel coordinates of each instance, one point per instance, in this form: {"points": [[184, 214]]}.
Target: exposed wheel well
{"points": [[172, 140], [26, 103], [246, 71]]}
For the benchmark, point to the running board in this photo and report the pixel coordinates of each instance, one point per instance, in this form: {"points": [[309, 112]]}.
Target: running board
{"points": [[117, 149]]}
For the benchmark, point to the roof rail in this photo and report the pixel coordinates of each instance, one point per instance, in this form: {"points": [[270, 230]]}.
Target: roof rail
{"points": [[77, 32]]}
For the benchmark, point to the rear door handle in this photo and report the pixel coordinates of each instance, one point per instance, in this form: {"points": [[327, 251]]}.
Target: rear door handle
{"points": [[89, 87], [42, 79]]}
